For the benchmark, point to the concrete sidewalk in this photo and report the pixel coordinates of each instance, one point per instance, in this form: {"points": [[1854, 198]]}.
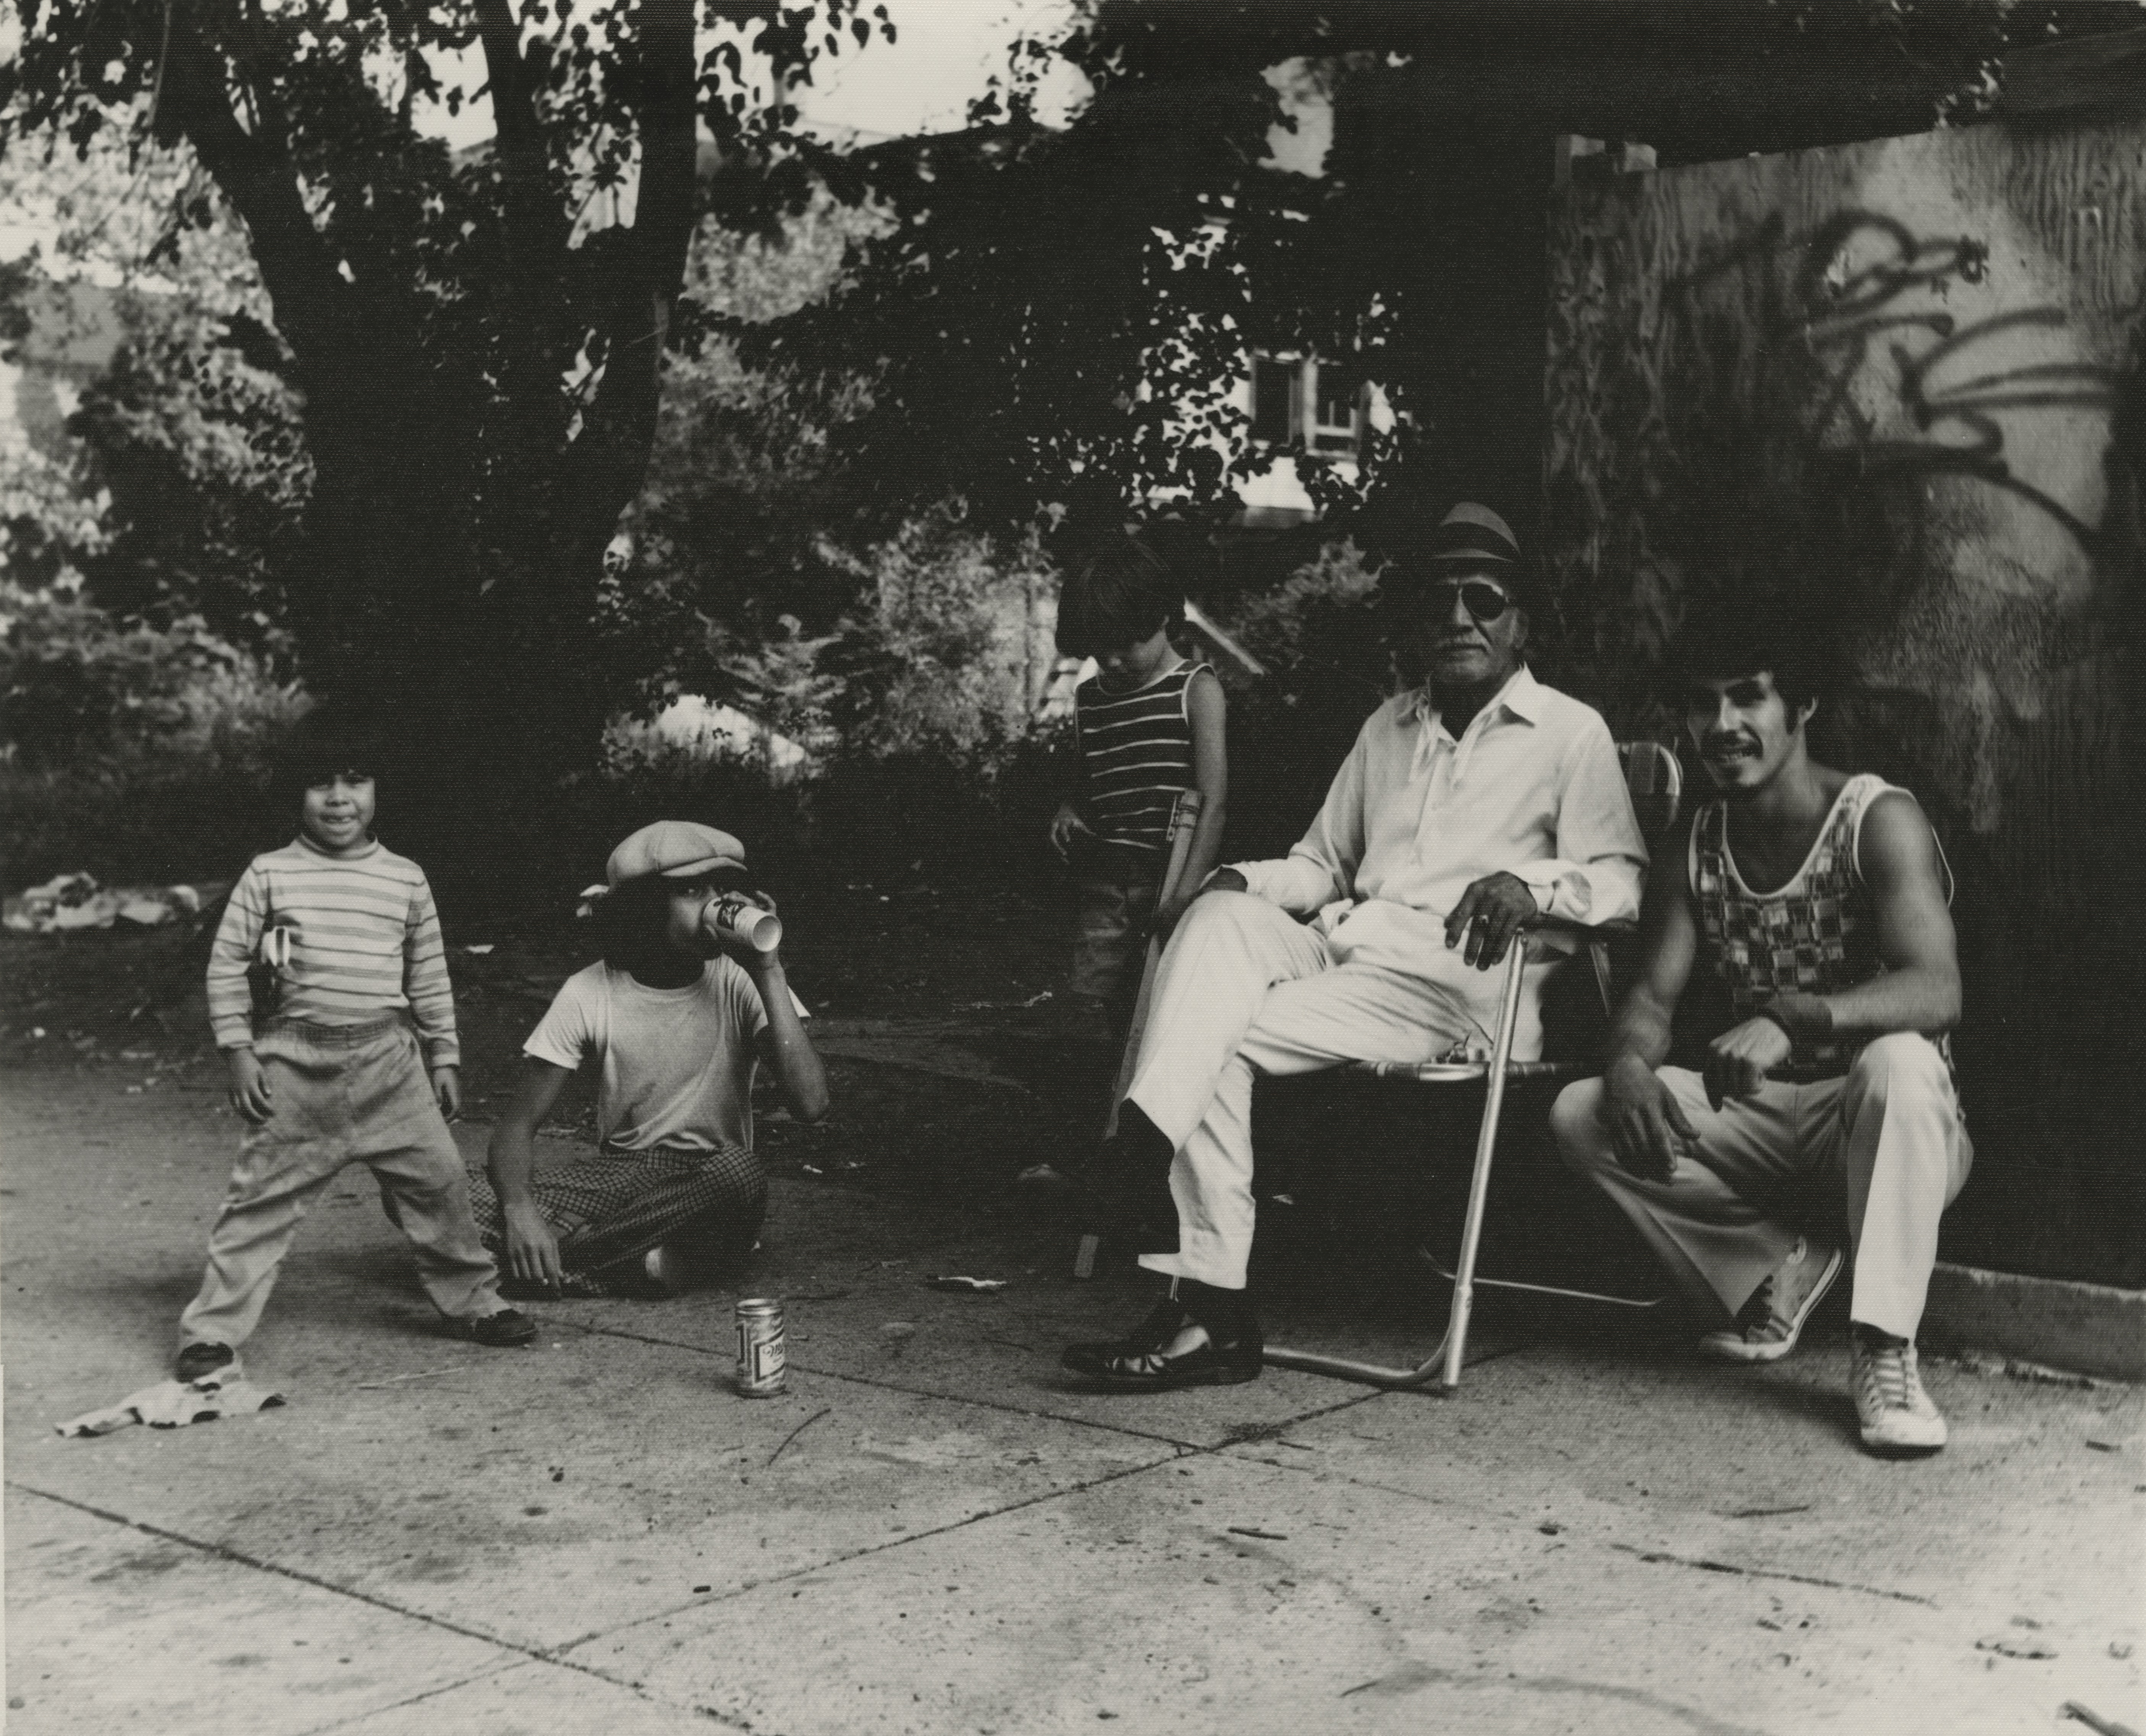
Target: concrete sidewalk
{"points": [[931, 1533]]}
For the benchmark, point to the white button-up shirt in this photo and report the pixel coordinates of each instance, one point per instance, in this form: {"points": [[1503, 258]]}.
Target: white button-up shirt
{"points": [[1532, 788]]}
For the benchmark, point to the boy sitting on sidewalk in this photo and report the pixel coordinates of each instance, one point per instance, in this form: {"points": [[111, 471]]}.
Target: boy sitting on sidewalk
{"points": [[675, 1026], [333, 1074]]}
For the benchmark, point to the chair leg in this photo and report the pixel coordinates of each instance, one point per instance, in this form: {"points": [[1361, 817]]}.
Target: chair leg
{"points": [[1478, 1186], [1444, 1363]]}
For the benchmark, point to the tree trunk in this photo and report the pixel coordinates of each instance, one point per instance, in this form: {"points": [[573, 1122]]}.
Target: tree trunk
{"points": [[456, 542]]}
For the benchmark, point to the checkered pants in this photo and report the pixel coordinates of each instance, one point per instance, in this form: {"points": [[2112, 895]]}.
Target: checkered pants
{"points": [[612, 1207]]}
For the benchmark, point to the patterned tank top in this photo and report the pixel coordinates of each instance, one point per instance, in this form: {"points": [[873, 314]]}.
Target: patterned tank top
{"points": [[1135, 755], [1817, 935]]}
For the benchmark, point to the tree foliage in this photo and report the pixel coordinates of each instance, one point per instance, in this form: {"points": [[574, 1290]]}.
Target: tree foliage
{"points": [[742, 492], [196, 435], [1042, 325], [78, 693], [1053, 322], [181, 490], [477, 339]]}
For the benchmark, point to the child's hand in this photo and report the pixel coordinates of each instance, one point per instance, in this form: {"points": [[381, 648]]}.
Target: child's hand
{"points": [[448, 1087], [532, 1248], [250, 1091], [742, 949], [1064, 824]]}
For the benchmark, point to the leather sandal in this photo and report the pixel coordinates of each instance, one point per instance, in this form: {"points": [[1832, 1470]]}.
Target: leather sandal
{"points": [[1205, 1338]]}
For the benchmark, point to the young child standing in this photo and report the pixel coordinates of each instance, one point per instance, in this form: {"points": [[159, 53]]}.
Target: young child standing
{"points": [[676, 1022], [356, 1060], [1150, 724]]}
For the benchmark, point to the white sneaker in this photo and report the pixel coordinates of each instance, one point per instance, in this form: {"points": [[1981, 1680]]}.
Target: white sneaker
{"points": [[1897, 1415], [1770, 1324]]}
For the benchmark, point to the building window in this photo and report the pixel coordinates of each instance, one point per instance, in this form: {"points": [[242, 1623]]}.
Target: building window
{"points": [[1277, 399], [1336, 396], [1319, 403]]}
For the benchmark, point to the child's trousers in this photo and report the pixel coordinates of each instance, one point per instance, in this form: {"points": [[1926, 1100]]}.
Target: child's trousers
{"points": [[342, 1094]]}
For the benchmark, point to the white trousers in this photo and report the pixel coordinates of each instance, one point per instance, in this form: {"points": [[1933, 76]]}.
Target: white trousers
{"points": [[1244, 988], [1888, 1136]]}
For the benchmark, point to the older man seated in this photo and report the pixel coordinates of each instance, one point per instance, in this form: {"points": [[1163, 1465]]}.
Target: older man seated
{"points": [[1468, 806]]}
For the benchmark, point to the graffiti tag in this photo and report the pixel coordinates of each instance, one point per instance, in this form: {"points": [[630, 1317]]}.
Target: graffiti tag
{"points": [[1859, 289]]}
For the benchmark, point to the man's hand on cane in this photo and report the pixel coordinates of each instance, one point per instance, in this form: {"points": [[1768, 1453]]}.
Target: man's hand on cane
{"points": [[1491, 912]]}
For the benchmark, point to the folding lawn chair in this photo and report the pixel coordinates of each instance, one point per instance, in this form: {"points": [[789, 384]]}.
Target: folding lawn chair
{"points": [[1656, 783]]}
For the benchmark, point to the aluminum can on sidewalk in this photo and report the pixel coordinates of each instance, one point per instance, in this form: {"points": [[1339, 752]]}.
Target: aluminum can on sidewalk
{"points": [[763, 1365]]}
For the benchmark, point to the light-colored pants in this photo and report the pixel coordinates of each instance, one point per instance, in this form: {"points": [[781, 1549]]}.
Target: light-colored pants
{"points": [[341, 1095], [1243, 988], [1888, 1138]]}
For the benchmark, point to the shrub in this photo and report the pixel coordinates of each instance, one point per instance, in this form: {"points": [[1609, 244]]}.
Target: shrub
{"points": [[1329, 666], [79, 691], [949, 657], [131, 752]]}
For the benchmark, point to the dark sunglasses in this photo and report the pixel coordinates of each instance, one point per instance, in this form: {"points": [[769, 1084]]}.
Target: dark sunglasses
{"points": [[1483, 600]]}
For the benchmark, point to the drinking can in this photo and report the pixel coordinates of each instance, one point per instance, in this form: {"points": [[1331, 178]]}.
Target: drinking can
{"points": [[763, 1369], [732, 917]]}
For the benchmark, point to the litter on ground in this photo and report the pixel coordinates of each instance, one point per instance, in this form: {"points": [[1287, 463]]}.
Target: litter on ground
{"points": [[175, 1403], [75, 900]]}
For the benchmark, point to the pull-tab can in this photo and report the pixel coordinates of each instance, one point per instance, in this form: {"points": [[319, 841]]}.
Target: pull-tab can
{"points": [[763, 1366]]}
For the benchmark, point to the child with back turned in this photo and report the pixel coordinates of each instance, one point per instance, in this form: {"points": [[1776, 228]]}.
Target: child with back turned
{"points": [[1151, 725], [1150, 722], [354, 1061]]}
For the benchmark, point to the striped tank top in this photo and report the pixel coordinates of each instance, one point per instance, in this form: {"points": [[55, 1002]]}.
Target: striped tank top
{"points": [[1814, 935], [1135, 755]]}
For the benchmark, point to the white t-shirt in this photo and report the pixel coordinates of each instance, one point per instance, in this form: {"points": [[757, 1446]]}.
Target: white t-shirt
{"points": [[677, 1062]]}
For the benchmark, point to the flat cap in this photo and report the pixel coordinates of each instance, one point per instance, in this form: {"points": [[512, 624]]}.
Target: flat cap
{"points": [[673, 847]]}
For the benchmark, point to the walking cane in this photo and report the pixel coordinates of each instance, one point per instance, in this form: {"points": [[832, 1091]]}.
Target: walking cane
{"points": [[1184, 818]]}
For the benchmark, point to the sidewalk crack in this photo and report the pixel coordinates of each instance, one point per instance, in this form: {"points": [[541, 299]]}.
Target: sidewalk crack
{"points": [[1706, 1566], [866, 1554], [952, 1398], [224, 1552]]}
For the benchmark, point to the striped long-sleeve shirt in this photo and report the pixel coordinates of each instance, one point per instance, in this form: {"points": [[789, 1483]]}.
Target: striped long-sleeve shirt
{"points": [[364, 938]]}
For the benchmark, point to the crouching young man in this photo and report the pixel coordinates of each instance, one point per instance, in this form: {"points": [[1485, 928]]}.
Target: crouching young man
{"points": [[1820, 902]]}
